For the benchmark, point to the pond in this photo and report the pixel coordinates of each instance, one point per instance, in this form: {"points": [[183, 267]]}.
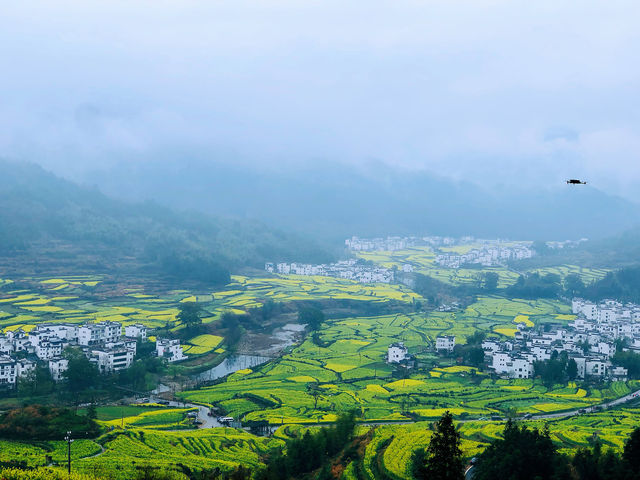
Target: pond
{"points": [[231, 364]]}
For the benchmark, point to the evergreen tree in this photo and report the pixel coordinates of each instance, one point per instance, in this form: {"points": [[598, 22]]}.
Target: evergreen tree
{"points": [[631, 453], [189, 314], [572, 369], [443, 458], [522, 454], [311, 316], [92, 413], [81, 374]]}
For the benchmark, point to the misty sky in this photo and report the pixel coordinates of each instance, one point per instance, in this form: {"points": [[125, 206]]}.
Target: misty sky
{"points": [[488, 90]]}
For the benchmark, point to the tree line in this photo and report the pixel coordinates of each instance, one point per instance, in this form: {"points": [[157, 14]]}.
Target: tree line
{"points": [[523, 454], [310, 452]]}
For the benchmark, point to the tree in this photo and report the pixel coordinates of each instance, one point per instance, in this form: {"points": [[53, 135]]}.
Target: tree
{"points": [[37, 382], [81, 374], [628, 360], [631, 453], [314, 390], [92, 413], [572, 369], [311, 316], [490, 281], [189, 315], [573, 285], [540, 247], [443, 458], [521, 454], [476, 338], [231, 322]]}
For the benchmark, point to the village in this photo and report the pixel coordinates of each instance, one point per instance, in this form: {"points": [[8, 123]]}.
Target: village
{"points": [[487, 255], [348, 269], [102, 343], [591, 340], [391, 244]]}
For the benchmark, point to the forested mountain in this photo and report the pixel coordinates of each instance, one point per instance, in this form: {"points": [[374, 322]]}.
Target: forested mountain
{"points": [[46, 222], [334, 200]]}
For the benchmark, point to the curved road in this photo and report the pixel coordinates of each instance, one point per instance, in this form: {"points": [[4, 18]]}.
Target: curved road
{"points": [[612, 403]]}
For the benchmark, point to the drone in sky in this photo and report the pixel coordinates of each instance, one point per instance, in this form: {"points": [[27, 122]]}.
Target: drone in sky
{"points": [[574, 181]]}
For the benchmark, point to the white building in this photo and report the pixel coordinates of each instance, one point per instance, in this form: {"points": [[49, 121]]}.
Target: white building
{"points": [[512, 366], [57, 367], [113, 359], [50, 348], [446, 343], [136, 331], [20, 340], [96, 333], [171, 350], [595, 367], [11, 370], [396, 353], [63, 331]]}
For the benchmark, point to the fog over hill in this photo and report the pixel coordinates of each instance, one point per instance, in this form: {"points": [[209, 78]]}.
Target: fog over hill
{"points": [[48, 224], [333, 200]]}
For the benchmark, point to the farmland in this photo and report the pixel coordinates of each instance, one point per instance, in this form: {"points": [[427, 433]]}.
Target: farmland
{"points": [[392, 445], [422, 261], [345, 369], [82, 299], [340, 367], [118, 453]]}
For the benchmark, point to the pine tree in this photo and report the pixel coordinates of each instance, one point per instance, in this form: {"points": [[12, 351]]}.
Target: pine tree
{"points": [[631, 453], [443, 458]]}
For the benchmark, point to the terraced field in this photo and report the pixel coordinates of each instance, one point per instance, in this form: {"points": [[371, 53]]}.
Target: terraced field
{"points": [[71, 299], [119, 453], [611, 428], [422, 260], [588, 275], [346, 369]]}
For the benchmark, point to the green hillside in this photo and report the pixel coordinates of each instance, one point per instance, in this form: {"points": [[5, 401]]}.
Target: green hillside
{"points": [[47, 223]]}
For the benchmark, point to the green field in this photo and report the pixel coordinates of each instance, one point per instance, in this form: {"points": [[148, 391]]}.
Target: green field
{"points": [[342, 368], [346, 369], [117, 455], [392, 445], [69, 299]]}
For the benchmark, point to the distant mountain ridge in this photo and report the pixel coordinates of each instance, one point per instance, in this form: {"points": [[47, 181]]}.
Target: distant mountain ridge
{"points": [[334, 201], [47, 222]]}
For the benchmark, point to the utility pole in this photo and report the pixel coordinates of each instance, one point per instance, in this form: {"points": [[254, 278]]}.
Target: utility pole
{"points": [[69, 440]]}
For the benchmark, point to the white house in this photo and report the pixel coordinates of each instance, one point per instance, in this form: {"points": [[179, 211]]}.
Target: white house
{"points": [[513, 367], [90, 334], [50, 348], [64, 331], [136, 331], [396, 352], [595, 367], [11, 370], [57, 367], [113, 359], [169, 349], [446, 343], [96, 333]]}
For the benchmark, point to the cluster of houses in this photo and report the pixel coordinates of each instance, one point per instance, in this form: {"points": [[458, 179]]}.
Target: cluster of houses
{"points": [[590, 340], [391, 244], [349, 269], [558, 245], [103, 343], [487, 255]]}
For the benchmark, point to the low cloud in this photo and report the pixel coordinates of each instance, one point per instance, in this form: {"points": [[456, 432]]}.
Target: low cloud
{"points": [[495, 91]]}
